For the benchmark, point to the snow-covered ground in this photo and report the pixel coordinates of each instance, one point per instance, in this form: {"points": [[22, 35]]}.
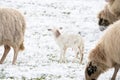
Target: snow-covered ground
{"points": [[39, 61]]}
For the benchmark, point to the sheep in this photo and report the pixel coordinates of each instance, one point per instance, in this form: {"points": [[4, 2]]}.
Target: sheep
{"points": [[109, 14], [114, 6], [65, 41], [106, 18], [12, 30], [106, 54]]}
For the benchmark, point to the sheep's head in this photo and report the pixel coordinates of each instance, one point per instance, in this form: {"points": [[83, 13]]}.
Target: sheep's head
{"points": [[103, 21], [92, 71], [106, 18]]}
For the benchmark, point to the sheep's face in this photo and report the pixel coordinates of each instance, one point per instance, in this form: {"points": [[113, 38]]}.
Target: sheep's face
{"points": [[92, 71], [105, 19], [103, 22]]}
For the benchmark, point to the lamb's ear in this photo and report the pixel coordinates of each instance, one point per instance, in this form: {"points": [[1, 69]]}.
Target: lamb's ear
{"points": [[91, 69], [57, 34], [61, 28], [49, 29]]}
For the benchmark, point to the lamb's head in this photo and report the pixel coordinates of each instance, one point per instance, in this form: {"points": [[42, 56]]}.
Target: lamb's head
{"points": [[55, 31], [92, 71], [106, 18]]}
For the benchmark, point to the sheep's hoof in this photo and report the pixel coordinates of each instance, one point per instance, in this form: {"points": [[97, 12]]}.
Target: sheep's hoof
{"points": [[1, 62], [113, 78]]}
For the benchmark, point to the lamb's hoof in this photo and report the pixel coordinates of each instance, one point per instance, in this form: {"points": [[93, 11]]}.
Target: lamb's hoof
{"points": [[60, 61], [80, 62], [13, 63], [64, 61], [73, 61]]}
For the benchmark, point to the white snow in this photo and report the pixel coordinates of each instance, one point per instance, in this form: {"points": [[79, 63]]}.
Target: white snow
{"points": [[39, 61]]}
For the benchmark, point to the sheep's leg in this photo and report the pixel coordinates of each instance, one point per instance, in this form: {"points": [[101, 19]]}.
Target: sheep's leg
{"points": [[15, 55], [115, 72], [6, 50]]}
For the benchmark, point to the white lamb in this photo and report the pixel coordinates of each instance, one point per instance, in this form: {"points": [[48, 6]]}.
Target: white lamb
{"points": [[65, 41]]}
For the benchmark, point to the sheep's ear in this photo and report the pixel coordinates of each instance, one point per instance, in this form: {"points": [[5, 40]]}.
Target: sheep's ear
{"points": [[91, 69]]}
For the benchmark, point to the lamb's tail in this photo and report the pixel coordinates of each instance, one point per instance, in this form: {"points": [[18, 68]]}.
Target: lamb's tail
{"points": [[22, 47]]}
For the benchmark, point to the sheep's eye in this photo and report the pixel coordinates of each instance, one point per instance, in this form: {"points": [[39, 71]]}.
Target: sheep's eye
{"points": [[100, 21]]}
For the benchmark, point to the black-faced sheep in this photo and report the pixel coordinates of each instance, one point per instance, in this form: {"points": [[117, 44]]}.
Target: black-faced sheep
{"points": [[106, 54], [12, 29], [109, 14], [106, 18]]}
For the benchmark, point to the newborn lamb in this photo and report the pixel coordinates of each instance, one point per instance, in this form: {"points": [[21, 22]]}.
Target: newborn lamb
{"points": [[65, 41]]}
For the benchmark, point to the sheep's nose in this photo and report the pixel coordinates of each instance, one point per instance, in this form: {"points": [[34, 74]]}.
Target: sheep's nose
{"points": [[102, 28], [103, 22]]}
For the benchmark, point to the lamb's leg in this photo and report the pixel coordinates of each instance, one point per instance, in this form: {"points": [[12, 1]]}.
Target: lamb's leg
{"points": [[116, 69], [62, 55], [6, 50], [81, 54], [81, 57], [64, 59], [76, 57], [15, 55]]}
